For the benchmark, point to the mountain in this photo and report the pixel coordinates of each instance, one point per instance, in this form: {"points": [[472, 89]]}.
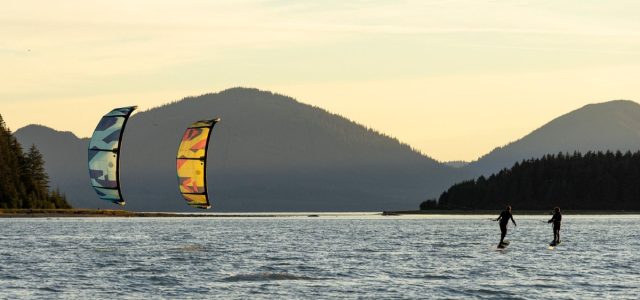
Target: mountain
{"points": [[613, 125], [269, 153], [456, 163], [65, 159]]}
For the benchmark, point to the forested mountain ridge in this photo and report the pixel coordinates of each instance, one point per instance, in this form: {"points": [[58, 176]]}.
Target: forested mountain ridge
{"points": [[273, 153], [23, 180], [612, 125], [268, 153], [593, 181]]}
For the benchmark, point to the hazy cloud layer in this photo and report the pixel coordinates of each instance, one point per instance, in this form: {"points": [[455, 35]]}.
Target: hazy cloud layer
{"points": [[460, 59]]}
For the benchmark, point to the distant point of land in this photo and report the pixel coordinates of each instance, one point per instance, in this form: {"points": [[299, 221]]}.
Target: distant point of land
{"points": [[83, 213]]}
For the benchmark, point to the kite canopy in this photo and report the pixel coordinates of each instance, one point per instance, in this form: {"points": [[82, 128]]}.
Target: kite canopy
{"points": [[104, 154], [191, 163]]}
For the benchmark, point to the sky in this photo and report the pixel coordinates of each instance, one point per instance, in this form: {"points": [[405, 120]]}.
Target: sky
{"points": [[453, 79]]}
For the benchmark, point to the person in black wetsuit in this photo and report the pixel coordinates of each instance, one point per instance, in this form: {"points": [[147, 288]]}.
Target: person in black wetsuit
{"points": [[557, 220], [504, 218]]}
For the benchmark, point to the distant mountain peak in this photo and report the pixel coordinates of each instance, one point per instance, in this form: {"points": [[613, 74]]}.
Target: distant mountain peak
{"points": [[614, 104], [269, 153], [37, 129], [456, 163], [236, 93], [608, 109], [242, 89], [612, 125]]}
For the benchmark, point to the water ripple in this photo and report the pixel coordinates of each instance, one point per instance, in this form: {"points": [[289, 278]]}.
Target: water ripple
{"points": [[451, 257], [265, 276]]}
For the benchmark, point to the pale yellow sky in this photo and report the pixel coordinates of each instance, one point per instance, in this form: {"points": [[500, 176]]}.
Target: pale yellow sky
{"points": [[453, 79]]}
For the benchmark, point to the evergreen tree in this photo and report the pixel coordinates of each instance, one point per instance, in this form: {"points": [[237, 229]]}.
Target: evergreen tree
{"points": [[58, 199], [10, 188], [603, 181], [34, 175], [23, 180]]}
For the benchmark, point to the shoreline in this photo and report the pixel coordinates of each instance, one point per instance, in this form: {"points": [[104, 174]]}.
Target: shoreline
{"points": [[515, 212], [111, 213]]}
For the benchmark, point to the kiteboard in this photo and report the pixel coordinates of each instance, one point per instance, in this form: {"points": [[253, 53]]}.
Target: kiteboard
{"points": [[503, 245], [553, 245]]}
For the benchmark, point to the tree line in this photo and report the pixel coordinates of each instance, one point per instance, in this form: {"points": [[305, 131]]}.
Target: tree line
{"points": [[591, 181], [23, 180]]}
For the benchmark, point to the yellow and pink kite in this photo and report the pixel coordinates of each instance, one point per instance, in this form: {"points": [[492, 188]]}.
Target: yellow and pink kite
{"points": [[191, 163]]}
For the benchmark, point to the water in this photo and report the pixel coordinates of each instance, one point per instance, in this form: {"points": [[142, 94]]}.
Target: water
{"points": [[326, 257]]}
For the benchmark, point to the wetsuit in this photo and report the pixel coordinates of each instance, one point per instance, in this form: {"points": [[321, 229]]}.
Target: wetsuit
{"points": [[504, 218], [557, 221]]}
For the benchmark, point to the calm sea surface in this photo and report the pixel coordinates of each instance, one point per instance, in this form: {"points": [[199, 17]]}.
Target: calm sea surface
{"points": [[343, 256]]}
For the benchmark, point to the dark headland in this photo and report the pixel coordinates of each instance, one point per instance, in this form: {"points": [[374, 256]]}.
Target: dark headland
{"points": [[497, 212]]}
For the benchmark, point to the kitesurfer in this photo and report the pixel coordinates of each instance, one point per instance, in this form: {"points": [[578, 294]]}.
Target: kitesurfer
{"points": [[504, 218], [556, 220]]}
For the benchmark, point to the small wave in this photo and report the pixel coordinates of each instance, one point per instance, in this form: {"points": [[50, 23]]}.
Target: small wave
{"points": [[50, 289], [164, 280], [106, 250], [434, 277], [366, 250], [265, 276], [145, 269], [191, 248]]}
